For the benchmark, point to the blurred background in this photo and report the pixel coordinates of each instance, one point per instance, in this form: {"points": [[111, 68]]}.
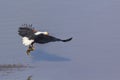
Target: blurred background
{"points": [[93, 54]]}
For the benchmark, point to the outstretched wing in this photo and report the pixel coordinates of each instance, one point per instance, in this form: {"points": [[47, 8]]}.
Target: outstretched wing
{"points": [[47, 38], [26, 31]]}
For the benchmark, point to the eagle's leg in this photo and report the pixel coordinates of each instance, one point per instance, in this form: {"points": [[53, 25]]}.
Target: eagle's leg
{"points": [[30, 48], [28, 51]]}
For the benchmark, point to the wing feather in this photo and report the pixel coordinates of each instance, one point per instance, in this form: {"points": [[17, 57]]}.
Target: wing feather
{"points": [[47, 38], [26, 31]]}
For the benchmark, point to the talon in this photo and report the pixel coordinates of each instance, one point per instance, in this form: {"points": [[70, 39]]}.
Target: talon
{"points": [[28, 52], [30, 48]]}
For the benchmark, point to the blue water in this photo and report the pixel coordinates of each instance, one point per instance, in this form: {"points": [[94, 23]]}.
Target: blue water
{"points": [[93, 54]]}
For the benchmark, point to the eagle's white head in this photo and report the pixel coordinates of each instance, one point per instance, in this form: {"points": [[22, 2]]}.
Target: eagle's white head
{"points": [[38, 33]]}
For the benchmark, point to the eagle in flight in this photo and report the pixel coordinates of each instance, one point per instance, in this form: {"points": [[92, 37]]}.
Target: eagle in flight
{"points": [[30, 36]]}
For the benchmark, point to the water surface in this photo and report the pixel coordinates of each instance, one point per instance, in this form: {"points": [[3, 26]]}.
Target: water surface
{"points": [[93, 54]]}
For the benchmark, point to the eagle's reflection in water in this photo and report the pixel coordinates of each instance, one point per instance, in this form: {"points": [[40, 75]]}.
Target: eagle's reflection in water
{"points": [[29, 78]]}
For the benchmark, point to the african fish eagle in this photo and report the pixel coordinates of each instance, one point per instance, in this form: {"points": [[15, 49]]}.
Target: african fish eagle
{"points": [[30, 36]]}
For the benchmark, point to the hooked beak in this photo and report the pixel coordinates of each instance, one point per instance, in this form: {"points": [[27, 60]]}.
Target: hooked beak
{"points": [[46, 33]]}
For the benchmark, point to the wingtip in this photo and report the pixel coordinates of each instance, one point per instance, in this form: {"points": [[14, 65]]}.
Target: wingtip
{"points": [[68, 39]]}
